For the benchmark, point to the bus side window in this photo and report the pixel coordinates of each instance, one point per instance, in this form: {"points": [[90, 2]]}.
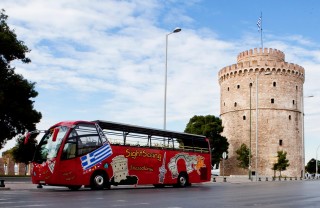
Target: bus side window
{"points": [[88, 144], [69, 150]]}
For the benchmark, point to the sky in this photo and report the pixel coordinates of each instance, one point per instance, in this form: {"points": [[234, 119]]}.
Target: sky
{"points": [[106, 59]]}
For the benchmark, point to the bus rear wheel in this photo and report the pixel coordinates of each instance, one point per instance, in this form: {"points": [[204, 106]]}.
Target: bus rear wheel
{"points": [[98, 181], [182, 180]]}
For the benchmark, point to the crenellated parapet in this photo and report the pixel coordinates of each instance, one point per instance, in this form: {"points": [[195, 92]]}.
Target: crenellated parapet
{"points": [[261, 60], [261, 54]]}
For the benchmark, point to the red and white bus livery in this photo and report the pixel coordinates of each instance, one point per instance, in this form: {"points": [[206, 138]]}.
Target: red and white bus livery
{"points": [[99, 154]]}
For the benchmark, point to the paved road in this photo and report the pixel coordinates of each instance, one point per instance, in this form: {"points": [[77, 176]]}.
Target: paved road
{"points": [[252, 194]]}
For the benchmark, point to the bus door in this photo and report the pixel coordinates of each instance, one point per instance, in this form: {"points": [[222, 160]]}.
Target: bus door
{"points": [[69, 162]]}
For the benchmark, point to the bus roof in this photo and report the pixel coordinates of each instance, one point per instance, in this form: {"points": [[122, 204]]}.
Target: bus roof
{"points": [[69, 123], [146, 130]]}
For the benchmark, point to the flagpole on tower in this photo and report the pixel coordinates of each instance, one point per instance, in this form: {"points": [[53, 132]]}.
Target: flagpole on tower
{"points": [[261, 32], [259, 24]]}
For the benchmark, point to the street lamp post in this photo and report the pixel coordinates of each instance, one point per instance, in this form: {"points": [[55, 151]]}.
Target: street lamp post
{"points": [[257, 108], [165, 78], [302, 137], [250, 177]]}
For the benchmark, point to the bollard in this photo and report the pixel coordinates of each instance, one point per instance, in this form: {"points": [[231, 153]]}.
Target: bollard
{"points": [[273, 178], [214, 179], [259, 179], [224, 179], [296, 178], [285, 178], [279, 178], [290, 178], [266, 178], [2, 183]]}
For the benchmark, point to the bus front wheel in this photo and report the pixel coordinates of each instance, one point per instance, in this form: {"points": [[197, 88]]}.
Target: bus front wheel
{"points": [[98, 181], [182, 180]]}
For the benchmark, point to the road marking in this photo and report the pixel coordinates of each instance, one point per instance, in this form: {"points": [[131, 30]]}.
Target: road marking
{"points": [[31, 205], [131, 205], [121, 200]]}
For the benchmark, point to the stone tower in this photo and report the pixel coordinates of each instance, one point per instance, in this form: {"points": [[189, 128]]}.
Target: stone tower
{"points": [[263, 89]]}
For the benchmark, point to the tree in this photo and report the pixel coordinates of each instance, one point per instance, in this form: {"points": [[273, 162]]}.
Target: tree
{"points": [[274, 168], [311, 166], [211, 127], [243, 156], [282, 163], [23, 153], [16, 93]]}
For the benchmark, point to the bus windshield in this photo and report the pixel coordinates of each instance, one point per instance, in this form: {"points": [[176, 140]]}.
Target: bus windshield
{"points": [[47, 148]]}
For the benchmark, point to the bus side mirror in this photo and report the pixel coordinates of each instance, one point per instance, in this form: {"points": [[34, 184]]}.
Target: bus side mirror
{"points": [[26, 139], [55, 134]]}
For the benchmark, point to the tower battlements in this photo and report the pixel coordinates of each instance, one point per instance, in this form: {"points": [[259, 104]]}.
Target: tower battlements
{"points": [[262, 60], [267, 54]]}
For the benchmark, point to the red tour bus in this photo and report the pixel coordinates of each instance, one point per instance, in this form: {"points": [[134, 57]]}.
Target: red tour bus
{"points": [[99, 154]]}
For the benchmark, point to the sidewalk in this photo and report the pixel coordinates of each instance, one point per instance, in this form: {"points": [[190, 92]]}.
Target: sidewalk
{"points": [[245, 179], [232, 179], [18, 186]]}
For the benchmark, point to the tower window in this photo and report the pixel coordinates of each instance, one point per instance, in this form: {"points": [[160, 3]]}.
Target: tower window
{"points": [[274, 84], [238, 86], [235, 104], [292, 102], [272, 100], [296, 87], [250, 85], [289, 117], [280, 142], [224, 104], [228, 88], [244, 117]]}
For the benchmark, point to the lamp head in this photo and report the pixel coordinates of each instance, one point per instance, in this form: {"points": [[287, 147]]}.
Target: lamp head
{"points": [[176, 30]]}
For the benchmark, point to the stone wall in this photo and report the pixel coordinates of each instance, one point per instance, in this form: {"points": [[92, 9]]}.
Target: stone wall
{"points": [[7, 167], [1, 167], [21, 169]]}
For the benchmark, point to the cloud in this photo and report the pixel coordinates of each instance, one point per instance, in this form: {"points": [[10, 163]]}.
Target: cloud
{"points": [[106, 60]]}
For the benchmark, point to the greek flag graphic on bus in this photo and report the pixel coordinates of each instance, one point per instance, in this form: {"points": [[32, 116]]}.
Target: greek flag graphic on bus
{"points": [[93, 158]]}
